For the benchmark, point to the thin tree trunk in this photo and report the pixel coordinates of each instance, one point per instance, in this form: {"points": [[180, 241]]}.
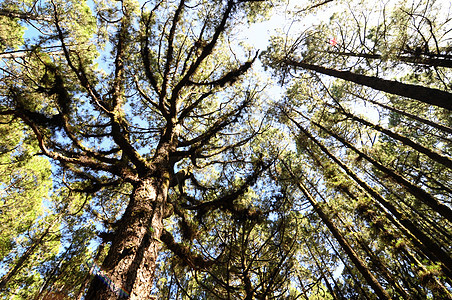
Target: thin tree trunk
{"points": [[414, 287], [23, 16], [416, 191], [439, 286], [377, 262], [411, 116], [424, 94], [434, 62], [428, 246], [321, 270], [357, 284], [130, 263], [19, 264], [51, 275], [86, 280], [418, 214], [444, 160], [380, 265], [362, 268]]}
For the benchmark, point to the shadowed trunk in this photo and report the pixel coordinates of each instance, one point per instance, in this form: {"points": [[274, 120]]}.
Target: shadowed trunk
{"points": [[130, 263], [423, 94]]}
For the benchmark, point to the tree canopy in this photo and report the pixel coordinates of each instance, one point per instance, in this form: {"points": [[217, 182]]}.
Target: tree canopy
{"points": [[146, 152]]}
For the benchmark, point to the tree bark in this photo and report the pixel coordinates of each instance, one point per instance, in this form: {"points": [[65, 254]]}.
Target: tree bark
{"points": [[424, 94], [130, 263]]}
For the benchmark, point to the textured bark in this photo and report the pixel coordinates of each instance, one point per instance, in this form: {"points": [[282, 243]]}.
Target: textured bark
{"points": [[427, 95], [130, 263]]}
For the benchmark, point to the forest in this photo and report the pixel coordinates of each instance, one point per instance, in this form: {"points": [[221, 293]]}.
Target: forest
{"points": [[156, 150]]}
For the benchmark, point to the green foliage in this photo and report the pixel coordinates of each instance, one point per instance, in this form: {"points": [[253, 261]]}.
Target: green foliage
{"points": [[25, 184], [120, 96], [11, 33]]}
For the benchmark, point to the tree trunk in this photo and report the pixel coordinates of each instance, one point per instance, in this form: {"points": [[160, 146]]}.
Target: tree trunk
{"points": [[356, 284], [416, 191], [428, 246], [50, 276], [434, 62], [362, 268], [380, 265], [411, 116], [444, 160], [19, 264], [130, 263], [85, 282], [419, 215], [439, 287], [321, 269], [423, 94]]}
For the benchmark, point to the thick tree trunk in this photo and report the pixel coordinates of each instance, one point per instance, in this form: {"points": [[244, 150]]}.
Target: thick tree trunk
{"points": [[130, 263], [424, 94]]}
